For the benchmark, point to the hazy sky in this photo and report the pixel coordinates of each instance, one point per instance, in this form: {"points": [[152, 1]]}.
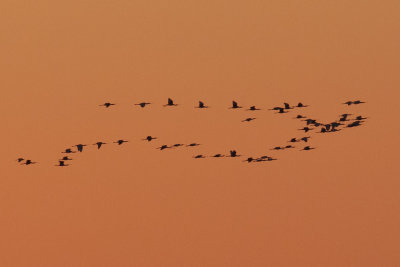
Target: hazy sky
{"points": [[133, 205]]}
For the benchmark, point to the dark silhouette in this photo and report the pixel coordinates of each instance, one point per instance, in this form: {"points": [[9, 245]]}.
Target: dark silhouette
{"points": [[201, 105], [282, 110], [218, 156], [293, 140], [306, 129], [233, 154], [305, 138], [301, 105], [163, 147], [235, 105], [80, 147], [199, 157], [277, 148], [29, 162], [289, 146], [177, 145], [68, 151], [253, 108], [149, 138], [307, 148], [360, 118], [358, 102], [287, 106], [20, 159], [193, 144], [348, 103], [142, 104], [107, 104], [170, 103], [300, 117], [249, 160], [120, 142], [61, 164], [66, 158], [99, 144], [248, 119]]}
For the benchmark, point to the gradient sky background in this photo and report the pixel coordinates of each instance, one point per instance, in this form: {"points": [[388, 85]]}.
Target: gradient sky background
{"points": [[133, 205]]}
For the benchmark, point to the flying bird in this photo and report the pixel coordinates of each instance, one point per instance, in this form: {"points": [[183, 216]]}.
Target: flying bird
{"points": [[170, 103], [120, 142], [66, 158], [28, 162], [99, 144], [193, 144], [177, 145], [61, 164], [248, 119], [199, 156], [20, 159], [253, 108], [307, 148], [68, 151], [149, 138], [301, 105], [306, 129], [235, 105], [201, 105], [163, 147], [80, 147], [300, 117], [142, 104], [287, 106], [233, 154], [218, 156], [107, 104]]}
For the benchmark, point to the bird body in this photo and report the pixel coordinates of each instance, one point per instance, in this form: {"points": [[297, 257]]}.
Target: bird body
{"points": [[143, 104], [235, 105], [107, 104], [120, 142], [99, 144], [170, 103]]}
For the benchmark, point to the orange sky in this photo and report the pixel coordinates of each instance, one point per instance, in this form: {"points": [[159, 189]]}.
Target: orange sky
{"points": [[133, 205]]}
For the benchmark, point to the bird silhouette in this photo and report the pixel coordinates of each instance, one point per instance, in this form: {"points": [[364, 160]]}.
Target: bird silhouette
{"points": [[306, 129], [29, 162], [61, 163], [66, 158], [248, 119], [282, 110], [289, 146], [68, 151], [177, 145], [80, 147], [20, 159], [218, 156], [201, 105], [277, 148], [354, 124], [99, 144], [287, 106], [305, 138], [149, 138], [107, 104], [253, 108], [300, 117], [358, 102], [233, 154], [120, 142], [199, 156], [360, 118], [307, 148], [235, 105], [193, 144], [250, 159], [163, 147], [170, 103], [293, 140], [142, 104], [348, 103], [301, 105]]}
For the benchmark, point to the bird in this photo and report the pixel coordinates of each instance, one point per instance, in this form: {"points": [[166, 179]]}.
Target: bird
{"points": [[99, 144], [301, 105], [348, 103], [20, 159], [249, 160], [293, 140], [360, 118], [142, 104], [266, 158], [300, 117], [177, 145], [68, 151], [235, 105], [306, 129], [66, 158], [310, 121], [287, 106], [233, 154], [149, 138], [170, 103], [163, 147], [289, 146], [277, 148], [354, 124], [61, 164], [358, 102], [201, 105], [193, 144], [248, 119], [120, 142], [282, 110], [253, 108], [28, 162], [80, 147], [305, 138], [308, 148], [199, 156], [107, 104], [218, 156]]}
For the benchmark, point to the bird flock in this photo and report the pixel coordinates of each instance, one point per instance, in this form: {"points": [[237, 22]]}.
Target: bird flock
{"points": [[343, 121]]}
